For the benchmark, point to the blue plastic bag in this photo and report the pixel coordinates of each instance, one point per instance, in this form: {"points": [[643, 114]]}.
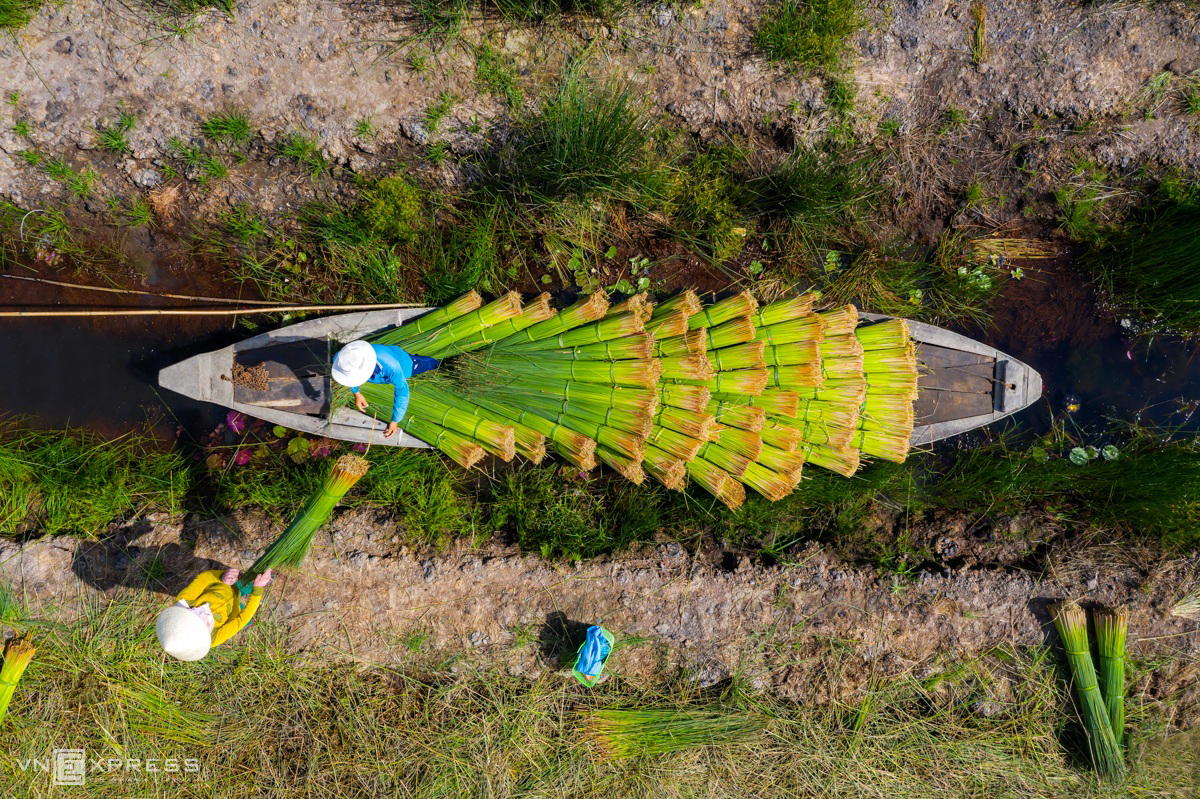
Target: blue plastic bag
{"points": [[592, 655]]}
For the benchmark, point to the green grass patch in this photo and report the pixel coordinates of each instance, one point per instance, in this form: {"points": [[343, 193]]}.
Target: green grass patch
{"points": [[15, 14], [394, 208], [232, 127], [809, 34], [705, 200], [495, 74], [114, 137], [305, 151]]}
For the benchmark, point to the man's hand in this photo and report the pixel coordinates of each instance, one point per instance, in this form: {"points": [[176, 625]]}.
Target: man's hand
{"points": [[360, 401], [391, 431], [230, 576], [263, 579]]}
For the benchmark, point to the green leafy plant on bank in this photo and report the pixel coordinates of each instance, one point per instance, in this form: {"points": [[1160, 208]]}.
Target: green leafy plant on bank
{"points": [[809, 34], [15, 14]]}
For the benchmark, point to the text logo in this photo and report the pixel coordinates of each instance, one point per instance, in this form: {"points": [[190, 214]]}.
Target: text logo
{"points": [[69, 767]]}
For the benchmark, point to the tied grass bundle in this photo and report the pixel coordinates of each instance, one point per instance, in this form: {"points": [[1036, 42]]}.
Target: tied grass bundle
{"points": [[740, 304], [889, 334], [690, 398], [669, 325], [685, 301], [1188, 607], [741, 381], [644, 372], [291, 548], [498, 439], [425, 323], [665, 468], [444, 338], [696, 425], [840, 461], [780, 435], [741, 356], [624, 397], [589, 309], [840, 321], [795, 377], [708, 475], [780, 460], [576, 447], [1111, 629], [736, 331], [784, 310], [636, 422], [18, 652], [738, 413], [806, 328], [775, 402], [638, 345], [687, 367], [792, 354], [732, 462], [629, 467], [694, 342], [771, 484], [608, 328], [460, 449], [680, 445], [743, 442], [537, 310], [1071, 624], [639, 304]]}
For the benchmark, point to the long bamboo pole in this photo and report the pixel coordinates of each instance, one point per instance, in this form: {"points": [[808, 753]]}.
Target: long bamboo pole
{"points": [[211, 311], [111, 290]]}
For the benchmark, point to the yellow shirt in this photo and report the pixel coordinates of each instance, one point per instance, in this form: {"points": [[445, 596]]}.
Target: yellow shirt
{"points": [[224, 601]]}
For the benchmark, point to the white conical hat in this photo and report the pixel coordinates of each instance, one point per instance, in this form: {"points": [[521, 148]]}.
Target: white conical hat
{"points": [[182, 634], [354, 363]]}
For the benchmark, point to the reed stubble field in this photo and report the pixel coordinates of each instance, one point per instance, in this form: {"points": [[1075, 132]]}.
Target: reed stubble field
{"points": [[885, 635]]}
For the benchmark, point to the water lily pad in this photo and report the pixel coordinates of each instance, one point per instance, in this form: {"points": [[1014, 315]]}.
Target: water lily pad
{"points": [[1039, 454], [279, 431], [1110, 452], [297, 449], [1079, 456], [1092, 452]]}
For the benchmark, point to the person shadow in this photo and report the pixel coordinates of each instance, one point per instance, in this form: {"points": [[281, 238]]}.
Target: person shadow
{"points": [[118, 561], [560, 638]]}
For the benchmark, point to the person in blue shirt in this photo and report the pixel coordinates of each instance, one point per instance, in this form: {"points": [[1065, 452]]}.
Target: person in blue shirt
{"points": [[363, 362]]}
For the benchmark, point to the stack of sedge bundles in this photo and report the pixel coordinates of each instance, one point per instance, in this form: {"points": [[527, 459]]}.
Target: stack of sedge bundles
{"points": [[727, 395]]}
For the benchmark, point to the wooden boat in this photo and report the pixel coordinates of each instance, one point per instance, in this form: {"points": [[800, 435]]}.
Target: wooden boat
{"points": [[963, 384]]}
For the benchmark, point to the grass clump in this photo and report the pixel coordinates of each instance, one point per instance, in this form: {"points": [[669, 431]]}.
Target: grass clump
{"points": [[568, 515], [305, 151], [649, 732], [76, 482], [232, 127], [1152, 267], [393, 208], [15, 14], [588, 141], [113, 137], [704, 196], [495, 74], [809, 34]]}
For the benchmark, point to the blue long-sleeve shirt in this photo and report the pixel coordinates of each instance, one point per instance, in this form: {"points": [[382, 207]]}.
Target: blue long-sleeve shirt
{"points": [[392, 365]]}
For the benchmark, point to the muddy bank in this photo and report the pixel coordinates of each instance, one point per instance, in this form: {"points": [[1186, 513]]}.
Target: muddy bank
{"points": [[364, 597]]}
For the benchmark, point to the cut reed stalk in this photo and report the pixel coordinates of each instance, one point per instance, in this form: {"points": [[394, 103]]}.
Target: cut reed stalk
{"points": [[537, 310], [737, 414], [665, 468], [466, 326], [840, 321], [839, 461], [687, 301], [771, 484], [889, 334], [694, 342], [735, 331], [732, 462], [589, 309], [638, 304], [460, 449], [644, 372], [576, 447], [471, 301], [653, 733], [290, 549], [796, 377], [669, 325], [742, 381], [680, 445], [529, 443], [779, 435], [740, 356], [785, 310], [740, 304], [687, 367], [629, 467], [498, 439], [18, 652], [690, 398], [1112, 626], [696, 425], [1071, 624], [806, 328], [780, 460], [608, 328], [791, 354], [639, 345], [743, 442]]}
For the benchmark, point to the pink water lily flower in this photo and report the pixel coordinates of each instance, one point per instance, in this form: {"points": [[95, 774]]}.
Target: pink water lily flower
{"points": [[242, 457], [236, 422]]}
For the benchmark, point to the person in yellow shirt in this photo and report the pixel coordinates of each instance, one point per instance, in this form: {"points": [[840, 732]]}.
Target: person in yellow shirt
{"points": [[207, 613]]}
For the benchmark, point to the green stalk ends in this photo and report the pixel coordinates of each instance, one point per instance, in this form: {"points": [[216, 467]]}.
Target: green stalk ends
{"points": [[1071, 624], [632, 733], [292, 547], [1111, 629], [17, 654]]}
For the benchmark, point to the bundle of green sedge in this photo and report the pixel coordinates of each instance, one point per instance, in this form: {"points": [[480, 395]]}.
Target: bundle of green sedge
{"points": [[292, 547], [18, 652], [726, 395]]}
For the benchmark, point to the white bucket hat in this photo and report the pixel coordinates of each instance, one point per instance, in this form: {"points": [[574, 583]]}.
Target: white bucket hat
{"points": [[354, 363], [183, 634]]}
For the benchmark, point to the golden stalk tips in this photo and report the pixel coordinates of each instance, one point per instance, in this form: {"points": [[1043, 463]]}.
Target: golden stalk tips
{"points": [[688, 397], [638, 304], [783, 436], [471, 301], [733, 494], [687, 301], [840, 461], [740, 304], [777, 402], [1188, 607], [688, 367], [680, 445], [707, 475], [733, 462], [783, 310], [539, 309], [629, 468], [743, 442], [796, 376], [349, 468], [735, 331], [736, 414], [18, 651], [690, 423], [741, 356], [669, 325], [693, 342], [665, 468], [840, 321], [770, 484]]}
